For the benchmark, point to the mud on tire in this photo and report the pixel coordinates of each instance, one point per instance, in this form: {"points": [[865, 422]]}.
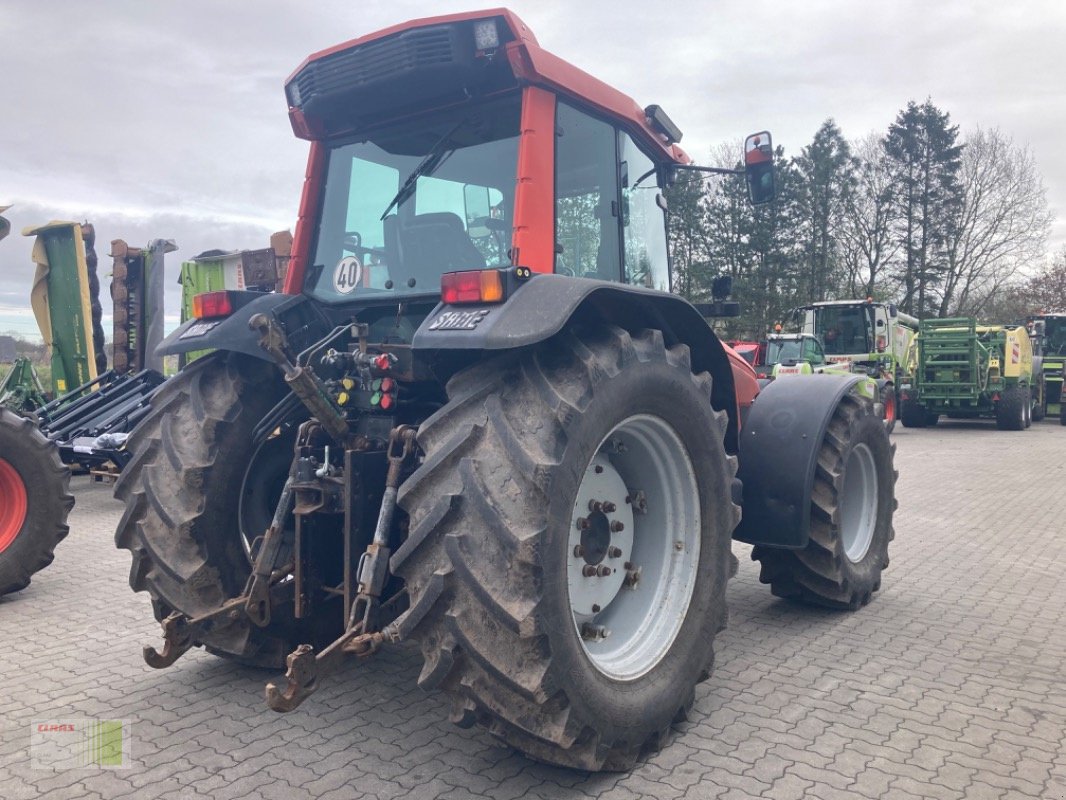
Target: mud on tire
{"points": [[485, 562], [35, 500], [842, 563], [182, 488]]}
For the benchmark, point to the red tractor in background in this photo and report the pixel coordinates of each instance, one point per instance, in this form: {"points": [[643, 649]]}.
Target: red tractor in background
{"points": [[477, 418]]}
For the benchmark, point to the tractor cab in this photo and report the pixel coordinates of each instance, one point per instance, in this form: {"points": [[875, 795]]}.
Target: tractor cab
{"points": [[458, 145], [793, 354]]}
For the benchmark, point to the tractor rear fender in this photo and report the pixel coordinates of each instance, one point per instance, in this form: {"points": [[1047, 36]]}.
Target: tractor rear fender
{"points": [[547, 303], [232, 332], [778, 454]]}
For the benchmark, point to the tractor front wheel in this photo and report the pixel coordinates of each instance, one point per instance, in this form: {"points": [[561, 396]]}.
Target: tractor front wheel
{"points": [[34, 501], [852, 504], [569, 545]]}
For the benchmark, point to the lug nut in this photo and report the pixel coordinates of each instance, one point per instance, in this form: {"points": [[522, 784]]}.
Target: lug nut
{"points": [[595, 505], [578, 551], [632, 578], [589, 571], [614, 552], [604, 570], [617, 526], [582, 524], [609, 508], [594, 632]]}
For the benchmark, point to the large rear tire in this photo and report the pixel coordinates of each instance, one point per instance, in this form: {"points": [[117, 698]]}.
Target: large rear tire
{"points": [[505, 527], [850, 517], [192, 475], [35, 500], [891, 402]]}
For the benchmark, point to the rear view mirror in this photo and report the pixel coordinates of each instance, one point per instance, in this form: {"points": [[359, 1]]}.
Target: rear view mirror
{"points": [[759, 167]]}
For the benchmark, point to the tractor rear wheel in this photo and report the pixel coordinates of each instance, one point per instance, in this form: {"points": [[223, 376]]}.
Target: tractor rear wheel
{"points": [[850, 517], [35, 500], [888, 397], [1011, 409], [569, 545], [197, 493]]}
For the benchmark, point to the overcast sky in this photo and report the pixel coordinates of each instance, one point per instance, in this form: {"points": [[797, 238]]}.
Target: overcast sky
{"points": [[168, 120]]}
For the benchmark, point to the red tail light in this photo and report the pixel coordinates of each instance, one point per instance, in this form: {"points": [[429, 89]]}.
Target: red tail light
{"points": [[472, 286], [212, 304]]}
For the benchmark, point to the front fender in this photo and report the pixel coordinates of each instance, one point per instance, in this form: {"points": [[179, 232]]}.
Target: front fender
{"points": [[778, 456]]}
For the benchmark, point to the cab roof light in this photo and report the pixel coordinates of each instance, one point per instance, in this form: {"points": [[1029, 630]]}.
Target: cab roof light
{"points": [[663, 124], [212, 304], [486, 35], [472, 286]]}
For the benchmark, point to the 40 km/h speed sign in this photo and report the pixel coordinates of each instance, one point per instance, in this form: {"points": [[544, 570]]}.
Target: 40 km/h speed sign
{"points": [[347, 275]]}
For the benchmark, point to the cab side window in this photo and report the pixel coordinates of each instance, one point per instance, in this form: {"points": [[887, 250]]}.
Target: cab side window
{"points": [[643, 220], [586, 197]]}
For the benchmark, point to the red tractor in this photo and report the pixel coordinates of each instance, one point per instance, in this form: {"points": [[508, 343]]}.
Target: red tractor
{"points": [[477, 419]]}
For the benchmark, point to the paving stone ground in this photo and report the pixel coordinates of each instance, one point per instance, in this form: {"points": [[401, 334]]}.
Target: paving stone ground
{"points": [[951, 684]]}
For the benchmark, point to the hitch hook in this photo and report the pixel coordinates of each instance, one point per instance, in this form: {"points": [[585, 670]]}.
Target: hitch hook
{"points": [[177, 639]]}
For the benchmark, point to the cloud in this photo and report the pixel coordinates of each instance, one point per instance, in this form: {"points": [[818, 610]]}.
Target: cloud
{"points": [[168, 120]]}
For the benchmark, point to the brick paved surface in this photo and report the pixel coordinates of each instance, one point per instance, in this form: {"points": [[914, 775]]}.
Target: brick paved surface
{"points": [[950, 685]]}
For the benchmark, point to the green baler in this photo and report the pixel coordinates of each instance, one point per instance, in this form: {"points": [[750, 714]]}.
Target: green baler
{"points": [[964, 370]]}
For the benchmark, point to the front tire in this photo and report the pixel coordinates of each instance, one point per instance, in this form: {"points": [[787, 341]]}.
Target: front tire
{"points": [[508, 620], [35, 500], [850, 517], [913, 414]]}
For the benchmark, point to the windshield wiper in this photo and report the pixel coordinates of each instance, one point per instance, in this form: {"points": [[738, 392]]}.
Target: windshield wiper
{"points": [[427, 166]]}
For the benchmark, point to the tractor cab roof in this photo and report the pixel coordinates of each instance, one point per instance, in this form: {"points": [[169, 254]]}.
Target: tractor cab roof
{"points": [[441, 61]]}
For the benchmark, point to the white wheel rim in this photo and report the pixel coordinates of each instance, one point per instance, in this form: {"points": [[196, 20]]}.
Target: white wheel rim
{"points": [[626, 629], [858, 503]]}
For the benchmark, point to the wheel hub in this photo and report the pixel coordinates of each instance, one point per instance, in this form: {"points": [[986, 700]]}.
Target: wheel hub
{"points": [[601, 539], [858, 512], [634, 547]]}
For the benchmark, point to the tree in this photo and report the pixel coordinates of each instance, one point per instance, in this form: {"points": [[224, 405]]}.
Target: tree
{"points": [[687, 232], [866, 238], [1046, 291], [924, 160], [999, 229], [826, 182]]}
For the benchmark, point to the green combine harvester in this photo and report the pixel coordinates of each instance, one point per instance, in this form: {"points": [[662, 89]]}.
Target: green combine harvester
{"points": [[1050, 331], [963, 370]]}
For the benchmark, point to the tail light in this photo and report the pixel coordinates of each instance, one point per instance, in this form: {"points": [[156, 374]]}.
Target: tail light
{"points": [[472, 286], [212, 304]]}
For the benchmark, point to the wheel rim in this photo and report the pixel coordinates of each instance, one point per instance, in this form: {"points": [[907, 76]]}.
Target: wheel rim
{"points": [[261, 487], [858, 503], [634, 547], [12, 504], [890, 406]]}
